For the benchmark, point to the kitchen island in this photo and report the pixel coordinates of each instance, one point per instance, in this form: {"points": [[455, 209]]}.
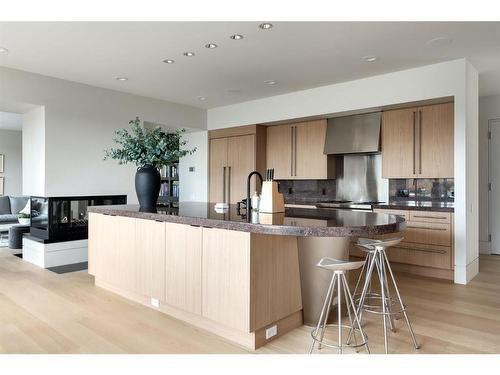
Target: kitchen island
{"points": [[218, 272]]}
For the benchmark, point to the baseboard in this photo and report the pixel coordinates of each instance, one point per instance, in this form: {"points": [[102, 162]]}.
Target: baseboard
{"points": [[464, 274], [484, 247], [248, 340]]}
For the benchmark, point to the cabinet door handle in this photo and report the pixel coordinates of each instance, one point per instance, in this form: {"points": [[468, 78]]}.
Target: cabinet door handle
{"points": [[224, 184], [420, 141], [295, 152], [291, 151], [431, 217], [229, 185], [414, 142], [427, 228]]}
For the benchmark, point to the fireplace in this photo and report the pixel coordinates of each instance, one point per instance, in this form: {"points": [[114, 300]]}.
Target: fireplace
{"points": [[59, 219]]}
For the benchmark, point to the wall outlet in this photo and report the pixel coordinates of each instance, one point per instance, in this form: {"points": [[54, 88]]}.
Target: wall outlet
{"points": [[191, 169], [271, 331], [155, 302]]}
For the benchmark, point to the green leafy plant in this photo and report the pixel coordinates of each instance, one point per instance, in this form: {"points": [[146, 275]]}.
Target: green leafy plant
{"points": [[144, 147], [22, 215]]}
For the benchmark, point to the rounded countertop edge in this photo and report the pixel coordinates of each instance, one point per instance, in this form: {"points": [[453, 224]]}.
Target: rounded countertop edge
{"points": [[241, 226]]}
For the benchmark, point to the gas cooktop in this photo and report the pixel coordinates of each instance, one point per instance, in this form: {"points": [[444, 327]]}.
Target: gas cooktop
{"points": [[348, 205]]}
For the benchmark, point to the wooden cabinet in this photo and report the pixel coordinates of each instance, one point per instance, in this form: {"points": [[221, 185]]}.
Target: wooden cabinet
{"points": [[128, 254], [232, 158], [183, 256], [218, 166], [428, 242], [149, 256], [295, 151], [436, 141], [398, 143], [226, 277], [279, 151], [418, 142], [235, 284]]}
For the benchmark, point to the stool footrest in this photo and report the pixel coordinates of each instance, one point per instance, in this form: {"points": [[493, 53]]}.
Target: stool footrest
{"points": [[333, 346]]}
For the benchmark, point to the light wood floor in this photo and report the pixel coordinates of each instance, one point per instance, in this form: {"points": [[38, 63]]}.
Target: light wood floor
{"points": [[42, 312]]}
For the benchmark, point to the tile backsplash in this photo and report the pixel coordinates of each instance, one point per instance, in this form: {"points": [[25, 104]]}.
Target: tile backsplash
{"points": [[422, 189], [307, 191]]}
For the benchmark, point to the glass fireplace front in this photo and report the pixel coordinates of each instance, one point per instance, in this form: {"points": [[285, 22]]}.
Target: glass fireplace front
{"points": [[57, 219]]}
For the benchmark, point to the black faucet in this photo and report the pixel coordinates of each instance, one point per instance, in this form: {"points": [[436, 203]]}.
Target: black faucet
{"points": [[249, 199]]}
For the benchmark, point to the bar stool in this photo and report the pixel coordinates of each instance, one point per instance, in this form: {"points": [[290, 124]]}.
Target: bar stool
{"points": [[338, 282], [377, 258]]}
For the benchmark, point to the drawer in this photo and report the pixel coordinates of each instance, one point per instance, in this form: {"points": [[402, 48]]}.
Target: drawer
{"points": [[422, 255], [430, 216], [428, 233], [403, 213]]}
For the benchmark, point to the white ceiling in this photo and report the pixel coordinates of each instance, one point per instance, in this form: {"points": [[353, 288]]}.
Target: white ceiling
{"points": [[11, 121], [298, 55]]}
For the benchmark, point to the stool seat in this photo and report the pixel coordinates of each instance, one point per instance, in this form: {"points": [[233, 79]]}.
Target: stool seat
{"points": [[370, 244], [339, 265]]}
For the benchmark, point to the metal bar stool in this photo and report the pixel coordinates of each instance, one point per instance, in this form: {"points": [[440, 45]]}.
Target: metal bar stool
{"points": [[377, 259], [339, 282]]}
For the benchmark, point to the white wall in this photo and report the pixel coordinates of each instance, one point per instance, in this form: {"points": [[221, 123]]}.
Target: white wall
{"points": [[80, 121], [34, 152], [193, 186], [456, 79], [11, 147], [489, 109]]}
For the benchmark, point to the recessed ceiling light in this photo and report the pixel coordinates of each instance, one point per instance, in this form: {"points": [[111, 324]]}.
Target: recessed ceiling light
{"points": [[370, 58], [3, 50], [266, 26], [189, 54], [211, 45], [270, 82], [202, 98], [168, 61], [121, 78], [236, 36], [439, 41]]}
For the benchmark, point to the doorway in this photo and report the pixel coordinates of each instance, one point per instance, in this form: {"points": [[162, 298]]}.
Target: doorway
{"points": [[494, 184]]}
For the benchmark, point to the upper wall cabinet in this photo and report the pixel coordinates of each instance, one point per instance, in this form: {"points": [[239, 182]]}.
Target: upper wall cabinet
{"points": [[418, 142], [295, 151], [234, 153]]}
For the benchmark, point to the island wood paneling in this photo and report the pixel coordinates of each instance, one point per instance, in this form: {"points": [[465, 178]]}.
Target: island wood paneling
{"points": [[150, 258], [226, 277], [275, 282], [183, 266]]}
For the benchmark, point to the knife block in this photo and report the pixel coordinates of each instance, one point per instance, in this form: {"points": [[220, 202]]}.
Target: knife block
{"points": [[271, 200]]}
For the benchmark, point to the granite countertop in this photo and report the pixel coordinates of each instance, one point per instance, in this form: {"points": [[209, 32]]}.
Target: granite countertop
{"points": [[294, 222], [418, 206]]}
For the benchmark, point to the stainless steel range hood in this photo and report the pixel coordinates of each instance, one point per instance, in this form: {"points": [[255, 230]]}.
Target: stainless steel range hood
{"points": [[358, 134]]}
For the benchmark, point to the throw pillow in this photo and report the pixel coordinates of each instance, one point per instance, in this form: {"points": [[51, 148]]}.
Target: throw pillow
{"points": [[26, 209], [4, 206], [17, 204]]}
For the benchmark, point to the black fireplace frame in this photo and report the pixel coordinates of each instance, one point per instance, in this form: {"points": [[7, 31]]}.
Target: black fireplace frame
{"points": [[48, 234]]}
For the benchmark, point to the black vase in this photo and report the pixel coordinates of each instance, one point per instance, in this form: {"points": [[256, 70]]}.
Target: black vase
{"points": [[147, 187]]}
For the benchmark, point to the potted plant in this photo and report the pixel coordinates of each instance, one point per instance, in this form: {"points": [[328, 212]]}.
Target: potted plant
{"points": [[24, 219], [149, 150]]}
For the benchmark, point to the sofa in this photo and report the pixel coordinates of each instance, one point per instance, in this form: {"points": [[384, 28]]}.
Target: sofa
{"points": [[10, 206]]}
